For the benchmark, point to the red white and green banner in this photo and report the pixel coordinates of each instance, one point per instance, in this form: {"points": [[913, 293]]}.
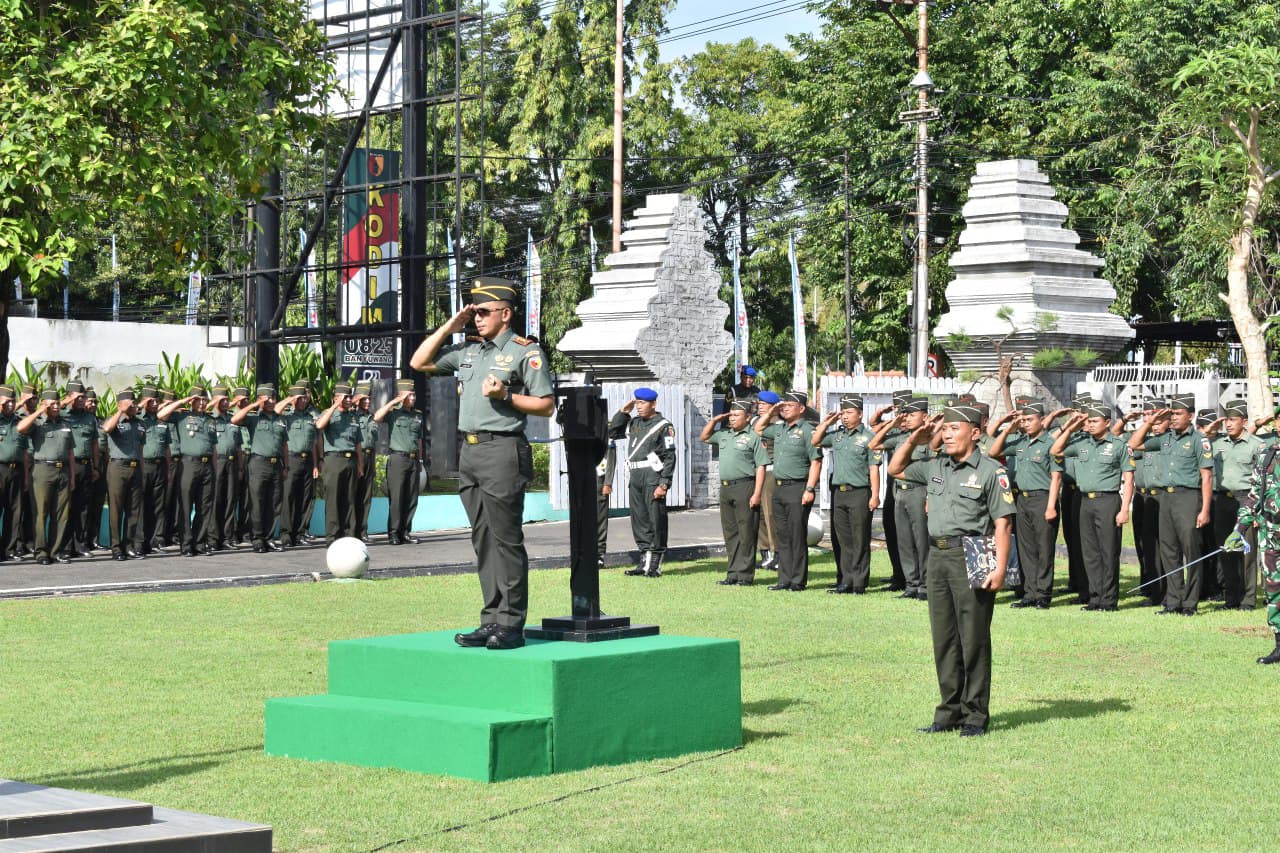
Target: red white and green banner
{"points": [[369, 282]]}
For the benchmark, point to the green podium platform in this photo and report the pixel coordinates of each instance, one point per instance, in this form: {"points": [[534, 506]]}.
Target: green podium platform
{"points": [[420, 702]]}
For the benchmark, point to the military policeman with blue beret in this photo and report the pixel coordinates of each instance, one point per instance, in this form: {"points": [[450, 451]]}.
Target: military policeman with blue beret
{"points": [[650, 447], [502, 380]]}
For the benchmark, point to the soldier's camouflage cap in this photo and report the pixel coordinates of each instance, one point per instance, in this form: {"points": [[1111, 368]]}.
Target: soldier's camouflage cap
{"points": [[1098, 410], [1204, 417], [487, 289], [6, 392], [49, 394], [796, 397], [342, 389], [851, 401], [127, 394], [1152, 404], [403, 385], [1029, 406], [917, 403], [1182, 402], [363, 389], [960, 413], [901, 397], [219, 391], [240, 391], [148, 393], [741, 406], [75, 387], [1236, 409], [266, 389]]}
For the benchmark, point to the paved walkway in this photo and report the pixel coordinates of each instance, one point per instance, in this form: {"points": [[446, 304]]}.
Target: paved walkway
{"points": [[693, 534]]}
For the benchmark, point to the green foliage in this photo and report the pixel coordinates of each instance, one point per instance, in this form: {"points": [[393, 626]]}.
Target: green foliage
{"points": [[1050, 358], [959, 341], [244, 377], [1046, 321], [177, 377], [302, 363], [106, 403], [30, 374], [1004, 312], [541, 468], [1083, 357], [157, 112], [969, 376]]}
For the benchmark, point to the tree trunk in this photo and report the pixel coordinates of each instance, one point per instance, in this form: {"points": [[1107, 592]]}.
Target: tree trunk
{"points": [[1248, 327], [6, 293]]}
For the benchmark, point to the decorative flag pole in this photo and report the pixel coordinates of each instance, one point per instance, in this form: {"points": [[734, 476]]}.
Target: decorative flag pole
{"points": [[533, 290], [800, 373]]}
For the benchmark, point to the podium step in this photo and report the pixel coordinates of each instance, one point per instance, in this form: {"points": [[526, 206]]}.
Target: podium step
{"points": [[37, 818], [474, 743]]}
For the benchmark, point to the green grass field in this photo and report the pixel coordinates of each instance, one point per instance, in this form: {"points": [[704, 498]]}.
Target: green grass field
{"points": [[1118, 730]]}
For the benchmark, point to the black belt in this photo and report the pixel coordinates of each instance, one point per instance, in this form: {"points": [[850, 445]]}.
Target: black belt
{"points": [[301, 454], [1151, 491], [1031, 491], [85, 461], [1228, 492], [196, 458], [10, 465], [1095, 495], [154, 459], [271, 459], [409, 453], [946, 543], [1172, 489], [778, 482], [347, 454], [737, 480], [128, 463], [901, 486], [485, 435], [845, 487], [53, 463]]}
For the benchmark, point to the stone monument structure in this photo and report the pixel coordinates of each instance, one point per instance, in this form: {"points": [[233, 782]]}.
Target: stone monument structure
{"points": [[656, 315], [1023, 286]]}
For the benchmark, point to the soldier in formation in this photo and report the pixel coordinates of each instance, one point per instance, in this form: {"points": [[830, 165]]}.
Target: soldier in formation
{"points": [[797, 465], [855, 492], [742, 474], [406, 460]]}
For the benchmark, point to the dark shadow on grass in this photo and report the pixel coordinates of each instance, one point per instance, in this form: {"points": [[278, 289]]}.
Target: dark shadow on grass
{"points": [[788, 661], [1060, 709], [764, 707], [139, 774], [750, 736]]}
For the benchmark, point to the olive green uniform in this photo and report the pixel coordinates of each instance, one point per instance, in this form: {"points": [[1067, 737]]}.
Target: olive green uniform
{"points": [[154, 486], [226, 480], [266, 448], [910, 519], [84, 432], [13, 451], [406, 430], [851, 463], [1100, 466], [299, 479], [965, 499], [51, 443], [768, 543], [792, 454], [1234, 461], [1030, 467], [1146, 522], [171, 524], [197, 442], [1182, 456], [650, 445], [741, 454], [98, 493], [496, 464], [125, 514], [365, 481], [342, 442]]}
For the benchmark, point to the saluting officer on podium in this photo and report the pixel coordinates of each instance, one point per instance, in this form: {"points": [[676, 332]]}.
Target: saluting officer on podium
{"points": [[651, 458], [502, 379]]}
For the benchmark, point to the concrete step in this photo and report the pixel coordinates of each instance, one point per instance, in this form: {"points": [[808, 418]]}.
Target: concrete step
{"points": [[39, 818], [474, 743]]}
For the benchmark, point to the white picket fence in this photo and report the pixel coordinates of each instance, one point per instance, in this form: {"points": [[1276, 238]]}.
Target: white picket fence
{"points": [[672, 405], [876, 391]]}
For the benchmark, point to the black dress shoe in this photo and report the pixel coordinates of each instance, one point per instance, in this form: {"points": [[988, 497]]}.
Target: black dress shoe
{"points": [[1090, 607], [1042, 605], [366, 540], [922, 596], [727, 582], [119, 557], [505, 638], [82, 552], [1165, 611], [746, 583], [779, 586], [272, 546], [393, 540], [259, 548], [1188, 611], [908, 594], [409, 540], [478, 637], [44, 561], [637, 572], [133, 554], [62, 558], [1107, 608], [797, 588], [973, 731], [858, 590], [1023, 602], [938, 728], [895, 587], [839, 590]]}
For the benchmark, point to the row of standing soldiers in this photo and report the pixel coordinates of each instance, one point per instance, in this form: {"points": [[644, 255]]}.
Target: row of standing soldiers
{"points": [[206, 472], [1178, 477]]}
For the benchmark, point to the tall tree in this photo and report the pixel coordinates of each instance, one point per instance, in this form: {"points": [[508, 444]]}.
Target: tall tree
{"points": [[168, 110]]}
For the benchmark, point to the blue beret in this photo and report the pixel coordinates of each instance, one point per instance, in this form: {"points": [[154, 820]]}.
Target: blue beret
{"points": [[647, 394], [768, 397], [748, 371]]}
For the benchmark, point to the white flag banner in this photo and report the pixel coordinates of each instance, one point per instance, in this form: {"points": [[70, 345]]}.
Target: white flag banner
{"points": [[741, 331], [66, 288], [115, 286], [591, 233], [194, 281], [533, 291], [454, 305], [800, 373]]}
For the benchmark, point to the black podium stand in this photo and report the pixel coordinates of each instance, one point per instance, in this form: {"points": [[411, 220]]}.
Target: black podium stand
{"points": [[584, 419]]}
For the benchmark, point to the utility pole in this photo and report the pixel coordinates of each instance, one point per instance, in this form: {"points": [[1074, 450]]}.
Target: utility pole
{"points": [[848, 293], [617, 132], [918, 365]]}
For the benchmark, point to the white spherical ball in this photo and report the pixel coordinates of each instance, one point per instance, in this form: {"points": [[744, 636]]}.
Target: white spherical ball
{"points": [[815, 528], [347, 558]]}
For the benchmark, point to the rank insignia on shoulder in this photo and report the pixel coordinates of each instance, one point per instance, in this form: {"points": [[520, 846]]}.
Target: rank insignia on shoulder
{"points": [[524, 342]]}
